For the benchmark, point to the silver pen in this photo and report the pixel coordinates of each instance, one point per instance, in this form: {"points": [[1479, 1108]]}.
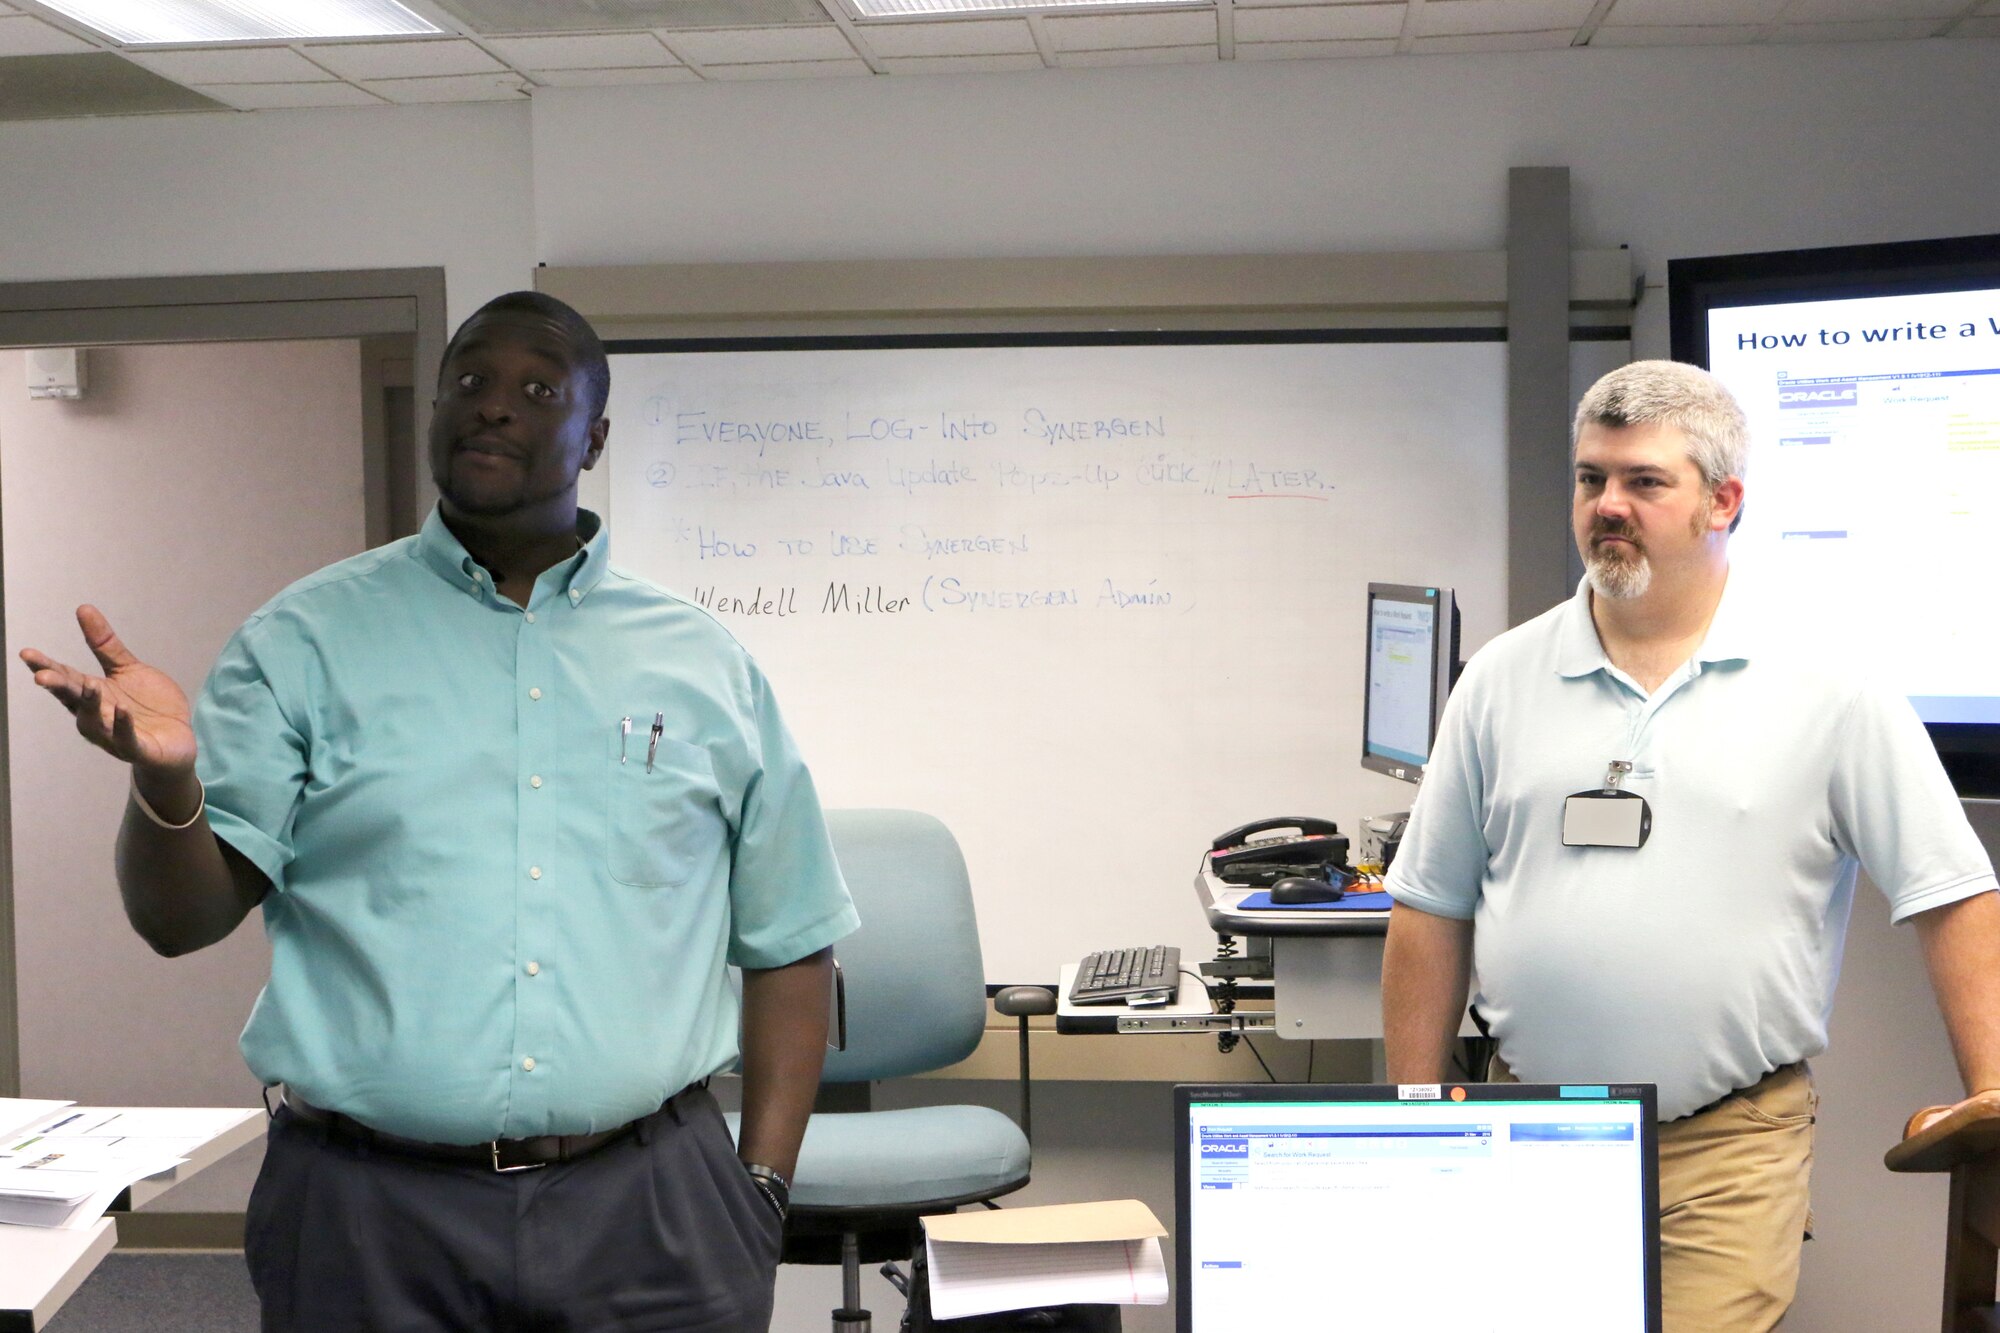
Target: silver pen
{"points": [[624, 734], [653, 741]]}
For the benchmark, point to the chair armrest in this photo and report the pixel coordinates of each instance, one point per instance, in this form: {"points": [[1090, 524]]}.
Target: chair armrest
{"points": [[1023, 1001], [1970, 1131]]}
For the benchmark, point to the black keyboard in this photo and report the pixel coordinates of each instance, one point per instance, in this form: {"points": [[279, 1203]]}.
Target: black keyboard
{"points": [[1111, 976]]}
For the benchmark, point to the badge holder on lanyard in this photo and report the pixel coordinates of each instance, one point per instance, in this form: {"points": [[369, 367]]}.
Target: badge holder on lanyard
{"points": [[1610, 816]]}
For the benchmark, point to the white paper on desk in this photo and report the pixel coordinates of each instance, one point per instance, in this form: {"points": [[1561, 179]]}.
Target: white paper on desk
{"points": [[55, 1180], [161, 1132], [16, 1113], [969, 1278], [194, 1124]]}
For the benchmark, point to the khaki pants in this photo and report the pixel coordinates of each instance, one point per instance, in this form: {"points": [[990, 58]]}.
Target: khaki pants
{"points": [[1733, 1204]]}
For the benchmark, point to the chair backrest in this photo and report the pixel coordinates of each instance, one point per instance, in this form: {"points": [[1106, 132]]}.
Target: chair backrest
{"points": [[916, 988]]}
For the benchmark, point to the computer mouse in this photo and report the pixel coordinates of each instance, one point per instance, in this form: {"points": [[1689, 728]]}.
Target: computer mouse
{"points": [[1294, 890]]}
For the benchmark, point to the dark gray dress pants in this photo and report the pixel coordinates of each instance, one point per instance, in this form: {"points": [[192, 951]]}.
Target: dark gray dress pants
{"points": [[660, 1231]]}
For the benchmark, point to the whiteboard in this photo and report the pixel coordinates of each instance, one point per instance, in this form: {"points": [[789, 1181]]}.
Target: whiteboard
{"points": [[1089, 605]]}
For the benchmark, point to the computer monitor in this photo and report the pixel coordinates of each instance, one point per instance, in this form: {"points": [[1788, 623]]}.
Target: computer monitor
{"points": [[1412, 657], [1507, 1208]]}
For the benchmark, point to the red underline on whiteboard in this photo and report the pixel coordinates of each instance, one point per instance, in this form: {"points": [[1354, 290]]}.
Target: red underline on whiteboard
{"points": [[1277, 495]]}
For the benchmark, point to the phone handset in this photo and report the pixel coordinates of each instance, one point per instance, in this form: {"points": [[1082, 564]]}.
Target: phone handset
{"points": [[1304, 826]]}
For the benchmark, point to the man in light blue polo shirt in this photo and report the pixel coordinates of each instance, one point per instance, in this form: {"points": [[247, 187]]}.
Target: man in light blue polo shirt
{"points": [[511, 814], [1704, 959]]}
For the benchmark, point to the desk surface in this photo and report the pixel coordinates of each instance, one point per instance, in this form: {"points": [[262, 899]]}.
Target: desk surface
{"points": [[1220, 903], [246, 1129], [41, 1267]]}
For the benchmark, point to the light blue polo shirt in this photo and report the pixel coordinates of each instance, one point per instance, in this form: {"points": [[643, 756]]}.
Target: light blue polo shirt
{"points": [[1709, 956], [490, 917]]}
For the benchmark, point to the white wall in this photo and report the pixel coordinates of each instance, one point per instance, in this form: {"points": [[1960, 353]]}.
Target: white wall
{"points": [[186, 488], [1677, 152], [146, 196], [1674, 152]]}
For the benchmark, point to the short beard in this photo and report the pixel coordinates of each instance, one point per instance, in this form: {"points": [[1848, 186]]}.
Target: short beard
{"points": [[1619, 578], [1624, 577]]}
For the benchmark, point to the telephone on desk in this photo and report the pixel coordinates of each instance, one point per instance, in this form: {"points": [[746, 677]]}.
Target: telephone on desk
{"points": [[1306, 863]]}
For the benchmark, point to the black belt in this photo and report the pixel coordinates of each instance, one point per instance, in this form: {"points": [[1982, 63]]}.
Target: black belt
{"points": [[501, 1155]]}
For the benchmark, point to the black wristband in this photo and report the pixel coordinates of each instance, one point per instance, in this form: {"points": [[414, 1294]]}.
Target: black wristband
{"points": [[777, 1191]]}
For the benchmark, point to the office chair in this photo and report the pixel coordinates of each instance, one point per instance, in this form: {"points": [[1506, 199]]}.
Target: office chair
{"points": [[915, 1000], [1967, 1144]]}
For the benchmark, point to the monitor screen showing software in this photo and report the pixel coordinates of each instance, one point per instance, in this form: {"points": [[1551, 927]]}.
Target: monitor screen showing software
{"points": [[1409, 654], [1871, 378], [1518, 1208], [1875, 422]]}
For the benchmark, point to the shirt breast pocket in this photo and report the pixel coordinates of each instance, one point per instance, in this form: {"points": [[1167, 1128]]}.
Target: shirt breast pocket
{"points": [[667, 824]]}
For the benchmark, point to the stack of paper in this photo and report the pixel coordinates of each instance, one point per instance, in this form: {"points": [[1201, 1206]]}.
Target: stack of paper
{"points": [[1064, 1254], [63, 1168]]}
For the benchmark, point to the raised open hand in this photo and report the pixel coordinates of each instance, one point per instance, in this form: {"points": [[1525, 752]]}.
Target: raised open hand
{"points": [[133, 711]]}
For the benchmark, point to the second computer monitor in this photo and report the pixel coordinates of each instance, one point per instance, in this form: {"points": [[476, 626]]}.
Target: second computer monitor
{"points": [[1412, 652]]}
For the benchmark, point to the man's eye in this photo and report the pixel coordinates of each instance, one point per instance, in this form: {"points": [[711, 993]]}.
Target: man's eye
{"points": [[468, 380], [537, 389]]}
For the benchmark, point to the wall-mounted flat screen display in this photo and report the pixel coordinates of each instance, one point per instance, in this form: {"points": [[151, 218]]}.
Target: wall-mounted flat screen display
{"points": [[1871, 378]]}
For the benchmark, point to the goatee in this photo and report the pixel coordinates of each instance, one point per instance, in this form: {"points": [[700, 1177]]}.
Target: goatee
{"points": [[1619, 575]]}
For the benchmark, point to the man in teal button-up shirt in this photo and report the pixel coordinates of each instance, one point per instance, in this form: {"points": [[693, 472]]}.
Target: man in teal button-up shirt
{"points": [[511, 813]]}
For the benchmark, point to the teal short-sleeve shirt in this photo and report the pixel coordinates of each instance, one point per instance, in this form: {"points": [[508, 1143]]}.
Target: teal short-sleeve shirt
{"points": [[493, 914]]}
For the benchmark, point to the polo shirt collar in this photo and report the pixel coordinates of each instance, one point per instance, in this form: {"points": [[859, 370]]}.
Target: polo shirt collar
{"points": [[447, 557], [1732, 632], [1729, 637]]}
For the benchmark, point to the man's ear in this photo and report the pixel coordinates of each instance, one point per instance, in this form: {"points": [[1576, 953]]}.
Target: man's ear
{"points": [[600, 431], [1728, 496]]}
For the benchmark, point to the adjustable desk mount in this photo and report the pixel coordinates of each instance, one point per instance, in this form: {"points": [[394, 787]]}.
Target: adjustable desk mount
{"points": [[1326, 964]]}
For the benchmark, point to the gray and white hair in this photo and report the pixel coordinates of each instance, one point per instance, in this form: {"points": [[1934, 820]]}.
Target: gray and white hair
{"points": [[1669, 393]]}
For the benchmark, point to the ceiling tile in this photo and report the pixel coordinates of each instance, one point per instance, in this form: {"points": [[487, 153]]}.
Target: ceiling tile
{"points": [[605, 78], [272, 96], [792, 69], [1458, 43], [1978, 27], [959, 64], [743, 46], [976, 38], [1309, 50], [611, 50], [1113, 32], [254, 64], [456, 88], [25, 36], [1441, 18], [1319, 23], [494, 18], [403, 60], [1991, 9], [1677, 35], [97, 83], [1151, 55], [1884, 30], [1861, 11], [7, 8], [1692, 13]]}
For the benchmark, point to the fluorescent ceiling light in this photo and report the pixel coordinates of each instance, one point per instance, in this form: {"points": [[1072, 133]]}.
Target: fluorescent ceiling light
{"points": [[159, 22], [894, 9]]}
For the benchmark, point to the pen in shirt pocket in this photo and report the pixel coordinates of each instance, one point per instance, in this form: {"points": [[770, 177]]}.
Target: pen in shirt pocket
{"points": [[653, 740], [624, 735]]}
